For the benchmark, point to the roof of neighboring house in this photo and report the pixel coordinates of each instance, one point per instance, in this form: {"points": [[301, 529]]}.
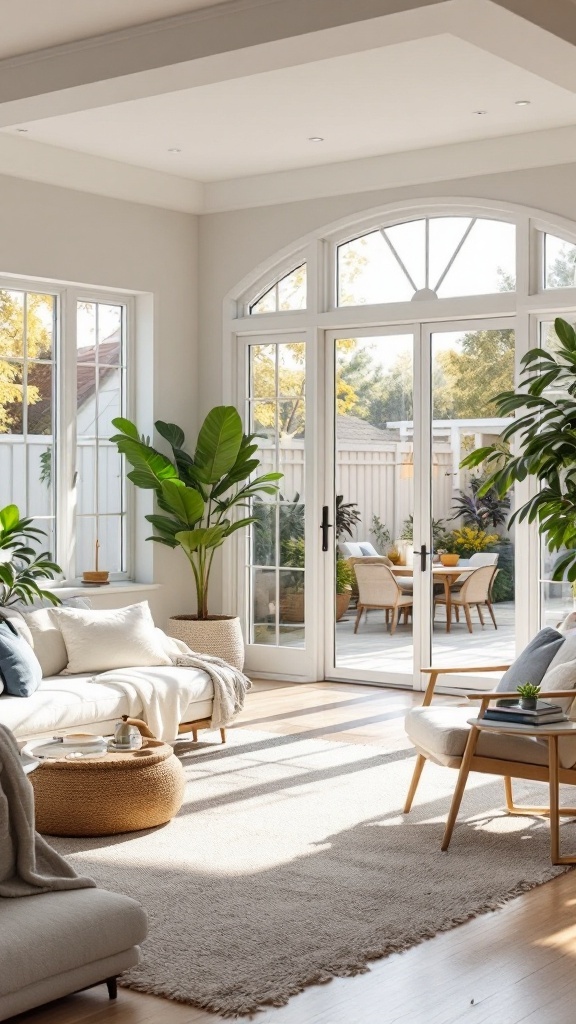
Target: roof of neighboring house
{"points": [[40, 376], [352, 428]]}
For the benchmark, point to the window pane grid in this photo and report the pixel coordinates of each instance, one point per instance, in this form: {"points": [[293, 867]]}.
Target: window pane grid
{"points": [[101, 388], [27, 404], [276, 563]]}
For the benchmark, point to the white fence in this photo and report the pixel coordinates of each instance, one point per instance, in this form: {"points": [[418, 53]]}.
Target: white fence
{"points": [[378, 478]]}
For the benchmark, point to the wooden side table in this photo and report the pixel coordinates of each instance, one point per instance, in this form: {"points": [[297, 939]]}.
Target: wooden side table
{"points": [[552, 733]]}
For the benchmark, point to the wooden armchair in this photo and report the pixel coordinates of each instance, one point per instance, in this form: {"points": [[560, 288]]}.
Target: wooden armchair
{"points": [[441, 734]]}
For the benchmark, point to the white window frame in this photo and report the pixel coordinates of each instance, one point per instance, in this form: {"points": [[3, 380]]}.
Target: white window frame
{"points": [[528, 303], [66, 298]]}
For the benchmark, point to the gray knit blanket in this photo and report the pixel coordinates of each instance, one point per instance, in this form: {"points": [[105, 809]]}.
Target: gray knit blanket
{"points": [[28, 865]]}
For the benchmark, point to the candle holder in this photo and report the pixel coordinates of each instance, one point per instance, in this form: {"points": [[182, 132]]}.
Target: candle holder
{"points": [[96, 576]]}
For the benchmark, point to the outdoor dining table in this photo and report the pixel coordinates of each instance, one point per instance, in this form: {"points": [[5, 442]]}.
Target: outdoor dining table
{"points": [[446, 574]]}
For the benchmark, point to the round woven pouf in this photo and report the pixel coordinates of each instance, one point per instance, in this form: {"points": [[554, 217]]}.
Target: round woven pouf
{"points": [[121, 792], [220, 635]]}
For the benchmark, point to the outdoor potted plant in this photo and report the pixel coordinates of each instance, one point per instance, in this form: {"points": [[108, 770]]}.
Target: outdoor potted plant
{"points": [[21, 568], [344, 581], [199, 496]]}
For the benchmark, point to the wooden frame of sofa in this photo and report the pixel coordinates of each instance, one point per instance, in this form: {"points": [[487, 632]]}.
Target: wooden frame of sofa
{"points": [[472, 762], [199, 723]]}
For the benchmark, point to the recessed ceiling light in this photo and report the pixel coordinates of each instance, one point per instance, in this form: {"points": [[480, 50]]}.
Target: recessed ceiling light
{"points": [[315, 138], [479, 112], [523, 103], [174, 150], [22, 131]]}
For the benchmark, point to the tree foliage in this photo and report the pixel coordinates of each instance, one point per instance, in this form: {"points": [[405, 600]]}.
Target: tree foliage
{"points": [[24, 331], [545, 436]]}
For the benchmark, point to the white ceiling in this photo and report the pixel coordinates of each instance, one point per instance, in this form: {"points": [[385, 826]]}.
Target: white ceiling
{"points": [[407, 96], [239, 86], [29, 25]]}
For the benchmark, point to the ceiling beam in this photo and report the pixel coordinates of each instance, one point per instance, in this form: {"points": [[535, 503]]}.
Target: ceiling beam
{"points": [[207, 45]]}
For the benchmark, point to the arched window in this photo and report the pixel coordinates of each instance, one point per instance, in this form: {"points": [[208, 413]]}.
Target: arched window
{"points": [[286, 294], [433, 257], [559, 262]]}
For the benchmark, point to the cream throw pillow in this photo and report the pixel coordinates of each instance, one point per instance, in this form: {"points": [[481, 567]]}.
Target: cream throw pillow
{"points": [[47, 641], [97, 641], [43, 632]]}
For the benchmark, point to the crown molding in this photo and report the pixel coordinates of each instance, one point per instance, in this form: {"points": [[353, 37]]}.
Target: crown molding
{"points": [[395, 170], [35, 161]]}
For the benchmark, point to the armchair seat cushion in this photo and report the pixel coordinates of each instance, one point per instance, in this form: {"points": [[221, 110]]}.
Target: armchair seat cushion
{"points": [[440, 732]]}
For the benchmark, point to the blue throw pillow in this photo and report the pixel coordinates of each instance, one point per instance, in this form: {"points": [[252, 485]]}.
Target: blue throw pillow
{"points": [[19, 667], [532, 664]]}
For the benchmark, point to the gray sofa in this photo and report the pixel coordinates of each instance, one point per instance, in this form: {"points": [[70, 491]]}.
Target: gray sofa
{"points": [[60, 942]]}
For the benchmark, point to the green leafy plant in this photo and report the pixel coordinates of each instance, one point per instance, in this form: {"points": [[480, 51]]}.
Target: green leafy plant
{"points": [[469, 539], [528, 691], [24, 567], [344, 576], [200, 494], [381, 533], [545, 437], [347, 517], [481, 510]]}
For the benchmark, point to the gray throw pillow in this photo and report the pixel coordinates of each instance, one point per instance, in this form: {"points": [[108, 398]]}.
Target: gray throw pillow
{"points": [[532, 664], [19, 667]]}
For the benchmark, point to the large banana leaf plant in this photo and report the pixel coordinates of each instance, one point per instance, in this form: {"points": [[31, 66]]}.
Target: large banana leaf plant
{"points": [[545, 443], [200, 494], [21, 567]]}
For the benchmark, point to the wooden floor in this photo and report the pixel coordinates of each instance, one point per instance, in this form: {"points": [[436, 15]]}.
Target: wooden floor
{"points": [[515, 965]]}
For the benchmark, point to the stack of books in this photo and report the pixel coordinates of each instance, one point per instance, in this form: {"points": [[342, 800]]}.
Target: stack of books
{"points": [[543, 714]]}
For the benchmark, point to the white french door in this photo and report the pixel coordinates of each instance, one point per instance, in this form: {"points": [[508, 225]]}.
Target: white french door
{"points": [[399, 468], [380, 418]]}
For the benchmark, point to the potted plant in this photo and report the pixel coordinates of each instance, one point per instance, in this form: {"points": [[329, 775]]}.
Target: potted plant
{"points": [[21, 568], [344, 582], [199, 497], [528, 694], [292, 593]]}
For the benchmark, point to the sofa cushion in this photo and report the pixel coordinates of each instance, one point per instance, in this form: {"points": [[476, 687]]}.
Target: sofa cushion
{"points": [[45, 935], [20, 669], [100, 640], [41, 629], [67, 702]]}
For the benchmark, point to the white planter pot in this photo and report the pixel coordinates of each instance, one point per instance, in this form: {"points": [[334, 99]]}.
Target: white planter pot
{"points": [[220, 635]]}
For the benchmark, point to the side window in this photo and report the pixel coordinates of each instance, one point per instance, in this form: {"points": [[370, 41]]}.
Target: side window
{"points": [[286, 294], [100, 397]]}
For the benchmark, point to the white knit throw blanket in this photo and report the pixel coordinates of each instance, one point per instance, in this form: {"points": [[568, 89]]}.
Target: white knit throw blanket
{"points": [[28, 865], [230, 685], [164, 696]]}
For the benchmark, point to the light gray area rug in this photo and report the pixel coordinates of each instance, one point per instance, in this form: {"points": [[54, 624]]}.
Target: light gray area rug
{"points": [[291, 862]]}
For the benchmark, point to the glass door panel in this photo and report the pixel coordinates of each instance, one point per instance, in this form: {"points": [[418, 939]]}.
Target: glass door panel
{"points": [[373, 476], [474, 616], [556, 597]]}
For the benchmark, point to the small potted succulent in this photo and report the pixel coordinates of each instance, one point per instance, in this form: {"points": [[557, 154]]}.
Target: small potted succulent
{"points": [[528, 694]]}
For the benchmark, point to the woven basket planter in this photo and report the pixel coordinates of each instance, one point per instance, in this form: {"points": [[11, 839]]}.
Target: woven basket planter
{"points": [[122, 792], [342, 602], [292, 606], [220, 635]]}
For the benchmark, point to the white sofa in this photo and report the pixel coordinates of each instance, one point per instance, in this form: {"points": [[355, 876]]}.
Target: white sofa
{"points": [[66, 703]]}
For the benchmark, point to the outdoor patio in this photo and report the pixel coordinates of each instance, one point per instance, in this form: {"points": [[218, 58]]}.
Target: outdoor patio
{"points": [[372, 648]]}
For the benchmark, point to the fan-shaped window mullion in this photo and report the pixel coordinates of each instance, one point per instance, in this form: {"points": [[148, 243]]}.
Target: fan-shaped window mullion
{"points": [[455, 254], [397, 258]]}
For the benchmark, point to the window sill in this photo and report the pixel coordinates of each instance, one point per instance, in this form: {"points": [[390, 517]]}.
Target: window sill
{"points": [[73, 588]]}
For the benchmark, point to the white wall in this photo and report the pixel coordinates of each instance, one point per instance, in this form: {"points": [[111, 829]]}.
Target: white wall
{"points": [[232, 245], [63, 235]]}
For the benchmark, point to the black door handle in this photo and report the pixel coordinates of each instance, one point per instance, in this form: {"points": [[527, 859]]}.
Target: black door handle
{"points": [[325, 526], [423, 555]]}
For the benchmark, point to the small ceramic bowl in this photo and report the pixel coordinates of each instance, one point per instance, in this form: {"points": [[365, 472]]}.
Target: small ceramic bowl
{"points": [[449, 559]]}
